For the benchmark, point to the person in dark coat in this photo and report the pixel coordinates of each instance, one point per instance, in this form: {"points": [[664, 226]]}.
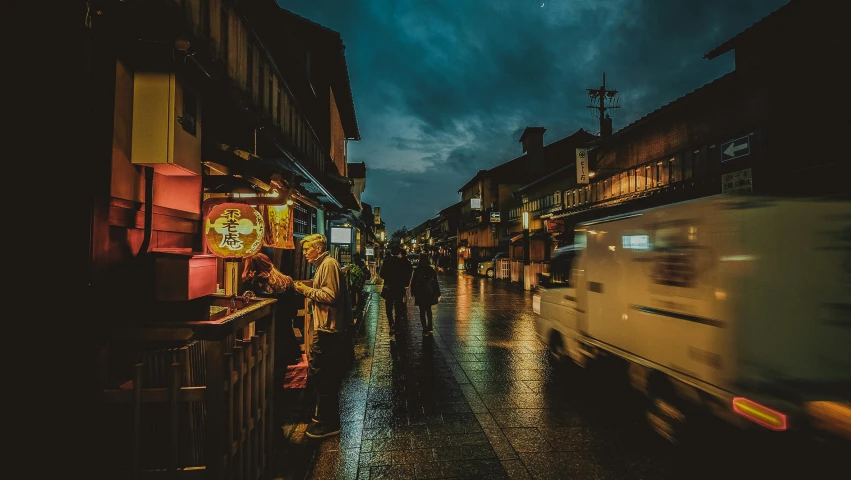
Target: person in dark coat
{"points": [[426, 292], [396, 272]]}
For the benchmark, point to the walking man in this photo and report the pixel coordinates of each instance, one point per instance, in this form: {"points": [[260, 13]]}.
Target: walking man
{"points": [[330, 307]]}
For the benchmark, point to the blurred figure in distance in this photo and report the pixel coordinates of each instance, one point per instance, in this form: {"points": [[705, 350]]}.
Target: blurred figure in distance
{"points": [[426, 292]]}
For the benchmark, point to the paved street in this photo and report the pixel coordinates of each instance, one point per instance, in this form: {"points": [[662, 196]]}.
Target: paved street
{"points": [[480, 400]]}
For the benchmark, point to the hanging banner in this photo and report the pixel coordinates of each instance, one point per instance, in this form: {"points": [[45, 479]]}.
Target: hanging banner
{"points": [[555, 226], [582, 166], [233, 230], [279, 226]]}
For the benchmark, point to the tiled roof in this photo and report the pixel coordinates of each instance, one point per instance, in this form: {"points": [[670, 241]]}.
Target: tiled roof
{"points": [[699, 93], [516, 168]]}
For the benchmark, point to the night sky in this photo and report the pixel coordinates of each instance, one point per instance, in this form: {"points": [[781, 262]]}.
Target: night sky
{"points": [[444, 88]]}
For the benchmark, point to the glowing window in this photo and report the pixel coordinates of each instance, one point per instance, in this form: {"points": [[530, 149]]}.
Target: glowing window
{"points": [[636, 242]]}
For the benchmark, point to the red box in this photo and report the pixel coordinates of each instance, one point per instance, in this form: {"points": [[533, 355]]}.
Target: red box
{"points": [[182, 275]]}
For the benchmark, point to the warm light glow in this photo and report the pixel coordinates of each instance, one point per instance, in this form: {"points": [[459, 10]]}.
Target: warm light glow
{"points": [[279, 221], [233, 230], [737, 258], [759, 414], [273, 194], [289, 202], [591, 174], [831, 416], [525, 220]]}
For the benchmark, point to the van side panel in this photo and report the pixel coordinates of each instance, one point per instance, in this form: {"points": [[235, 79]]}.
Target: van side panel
{"points": [[603, 269], [669, 311], [796, 326]]}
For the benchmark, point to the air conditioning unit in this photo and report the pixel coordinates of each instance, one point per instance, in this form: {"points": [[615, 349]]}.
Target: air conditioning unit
{"points": [[166, 125]]}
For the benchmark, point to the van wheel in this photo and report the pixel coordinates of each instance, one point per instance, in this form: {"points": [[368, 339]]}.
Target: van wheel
{"points": [[489, 273], [666, 414], [556, 352]]}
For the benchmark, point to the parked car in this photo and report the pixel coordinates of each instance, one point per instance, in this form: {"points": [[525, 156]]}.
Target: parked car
{"points": [[488, 268]]}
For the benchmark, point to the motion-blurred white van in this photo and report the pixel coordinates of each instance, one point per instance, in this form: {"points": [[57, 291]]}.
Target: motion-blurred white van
{"points": [[739, 306]]}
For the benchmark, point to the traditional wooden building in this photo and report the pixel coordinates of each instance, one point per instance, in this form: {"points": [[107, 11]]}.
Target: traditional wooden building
{"points": [[195, 102], [491, 215], [445, 235], [755, 130]]}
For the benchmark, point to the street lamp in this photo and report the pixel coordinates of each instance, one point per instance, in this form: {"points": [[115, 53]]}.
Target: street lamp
{"points": [[527, 261]]}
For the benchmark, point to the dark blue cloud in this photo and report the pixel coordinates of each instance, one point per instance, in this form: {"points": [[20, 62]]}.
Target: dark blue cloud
{"points": [[443, 88]]}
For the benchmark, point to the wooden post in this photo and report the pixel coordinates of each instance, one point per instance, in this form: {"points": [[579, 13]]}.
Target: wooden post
{"points": [[239, 410], [174, 420], [213, 445]]}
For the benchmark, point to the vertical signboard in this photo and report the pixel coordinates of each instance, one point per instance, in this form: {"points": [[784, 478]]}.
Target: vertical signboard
{"points": [[279, 220], [581, 166]]}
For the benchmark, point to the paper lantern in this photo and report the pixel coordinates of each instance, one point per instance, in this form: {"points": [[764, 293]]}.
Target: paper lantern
{"points": [[233, 230], [279, 232]]}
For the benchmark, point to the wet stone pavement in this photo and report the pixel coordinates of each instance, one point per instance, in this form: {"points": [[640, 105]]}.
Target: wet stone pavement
{"points": [[479, 399]]}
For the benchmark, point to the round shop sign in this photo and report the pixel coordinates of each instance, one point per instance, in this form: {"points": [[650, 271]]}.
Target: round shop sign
{"points": [[233, 230]]}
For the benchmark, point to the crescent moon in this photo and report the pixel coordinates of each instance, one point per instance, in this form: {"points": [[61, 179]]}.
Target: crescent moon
{"points": [[542, 4]]}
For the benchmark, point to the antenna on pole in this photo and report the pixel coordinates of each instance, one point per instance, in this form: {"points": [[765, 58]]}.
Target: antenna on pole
{"points": [[602, 101]]}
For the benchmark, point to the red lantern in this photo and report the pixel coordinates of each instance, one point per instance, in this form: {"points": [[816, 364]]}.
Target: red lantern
{"points": [[233, 230]]}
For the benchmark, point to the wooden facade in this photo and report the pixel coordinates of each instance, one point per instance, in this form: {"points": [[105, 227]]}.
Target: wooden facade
{"points": [[267, 116]]}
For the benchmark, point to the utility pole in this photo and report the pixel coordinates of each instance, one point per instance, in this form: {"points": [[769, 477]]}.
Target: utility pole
{"points": [[603, 100]]}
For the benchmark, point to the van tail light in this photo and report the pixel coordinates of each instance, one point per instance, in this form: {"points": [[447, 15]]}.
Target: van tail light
{"points": [[536, 304], [759, 414]]}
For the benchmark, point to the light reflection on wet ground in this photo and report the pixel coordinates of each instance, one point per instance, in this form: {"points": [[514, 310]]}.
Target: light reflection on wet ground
{"points": [[480, 400]]}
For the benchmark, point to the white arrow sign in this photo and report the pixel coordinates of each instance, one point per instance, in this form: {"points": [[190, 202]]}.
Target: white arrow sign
{"points": [[735, 148], [732, 149]]}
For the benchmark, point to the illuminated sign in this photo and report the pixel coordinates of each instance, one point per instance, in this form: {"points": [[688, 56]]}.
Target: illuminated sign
{"points": [[279, 234], [636, 242], [476, 203], [582, 166], [341, 235], [495, 217], [233, 230], [555, 226]]}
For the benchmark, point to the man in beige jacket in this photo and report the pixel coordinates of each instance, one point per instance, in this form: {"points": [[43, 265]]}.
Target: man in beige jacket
{"points": [[331, 313]]}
